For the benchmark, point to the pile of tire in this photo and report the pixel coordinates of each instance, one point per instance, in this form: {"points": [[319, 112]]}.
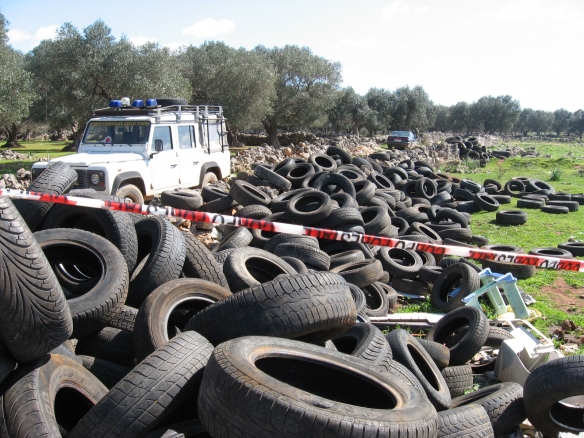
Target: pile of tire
{"points": [[469, 149], [116, 324]]}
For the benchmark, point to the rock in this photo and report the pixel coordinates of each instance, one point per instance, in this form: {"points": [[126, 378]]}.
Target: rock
{"points": [[569, 347], [568, 325]]}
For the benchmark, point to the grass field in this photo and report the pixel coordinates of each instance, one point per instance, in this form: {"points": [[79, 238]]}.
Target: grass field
{"points": [[38, 150], [559, 294]]}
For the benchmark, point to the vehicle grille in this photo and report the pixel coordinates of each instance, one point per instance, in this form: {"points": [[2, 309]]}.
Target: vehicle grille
{"points": [[81, 179]]}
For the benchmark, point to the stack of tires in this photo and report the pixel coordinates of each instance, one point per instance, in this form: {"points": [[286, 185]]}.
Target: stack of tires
{"points": [[117, 324], [469, 149]]}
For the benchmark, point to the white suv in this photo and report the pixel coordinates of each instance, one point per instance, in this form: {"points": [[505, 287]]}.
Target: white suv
{"points": [[138, 151]]}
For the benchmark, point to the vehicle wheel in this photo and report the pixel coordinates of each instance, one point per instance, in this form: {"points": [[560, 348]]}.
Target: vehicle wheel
{"points": [[408, 351], [58, 178], [465, 421], [131, 193], [161, 256], [208, 179], [268, 310], [48, 397], [503, 403], [247, 267], [34, 316], [167, 310], [144, 398], [297, 385], [471, 341], [547, 394], [367, 342], [99, 298]]}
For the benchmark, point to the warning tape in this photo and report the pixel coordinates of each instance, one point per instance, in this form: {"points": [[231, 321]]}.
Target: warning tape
{"points": [[278, 227]]}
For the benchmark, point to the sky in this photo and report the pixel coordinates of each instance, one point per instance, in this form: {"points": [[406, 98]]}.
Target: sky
{"points": [[458, 50]]}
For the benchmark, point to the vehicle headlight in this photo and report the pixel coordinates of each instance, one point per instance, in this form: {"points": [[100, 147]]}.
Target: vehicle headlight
{"points": [[97, 180], [94, 179]]}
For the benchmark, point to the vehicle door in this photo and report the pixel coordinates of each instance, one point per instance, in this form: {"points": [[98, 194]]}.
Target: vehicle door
{"points": [[164, 164], [190, 155]]}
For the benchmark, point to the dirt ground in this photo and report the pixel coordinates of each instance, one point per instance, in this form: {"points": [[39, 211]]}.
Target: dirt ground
{"points": [[566, 297]]}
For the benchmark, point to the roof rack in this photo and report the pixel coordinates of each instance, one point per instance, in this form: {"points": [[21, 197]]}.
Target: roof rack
{"points": [[199, 110]]}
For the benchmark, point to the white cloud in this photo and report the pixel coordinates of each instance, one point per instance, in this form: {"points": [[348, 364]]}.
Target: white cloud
{"points": [[209, 28], [16, 35], [394, 9], [140, 41], [352, 42], [46, 33], [174, 45], [423, 9], [529, 10]]}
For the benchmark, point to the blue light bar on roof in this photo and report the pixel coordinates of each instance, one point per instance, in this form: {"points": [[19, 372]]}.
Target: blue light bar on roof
{"points": [[138, 103], [150, 103], [115, 103]]}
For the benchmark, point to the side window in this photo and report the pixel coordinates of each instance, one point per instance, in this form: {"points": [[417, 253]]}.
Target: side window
{"points": [[162, 133], [186, 137]]}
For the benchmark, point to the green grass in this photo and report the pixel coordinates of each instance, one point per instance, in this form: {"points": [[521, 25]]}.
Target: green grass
{"points": [[38, 150]]}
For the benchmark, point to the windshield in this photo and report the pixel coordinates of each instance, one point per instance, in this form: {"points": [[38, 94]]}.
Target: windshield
{"points": [[110, 132], [400, 134]]}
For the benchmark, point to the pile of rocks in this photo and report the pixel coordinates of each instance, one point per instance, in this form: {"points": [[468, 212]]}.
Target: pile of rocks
{"points": [[20, 181]]}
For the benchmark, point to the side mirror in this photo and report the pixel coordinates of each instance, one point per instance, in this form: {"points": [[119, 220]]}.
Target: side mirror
{"points": [[158, 145]]}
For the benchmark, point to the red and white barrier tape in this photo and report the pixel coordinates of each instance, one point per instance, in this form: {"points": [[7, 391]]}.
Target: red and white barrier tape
{"points": [[199, 216]]}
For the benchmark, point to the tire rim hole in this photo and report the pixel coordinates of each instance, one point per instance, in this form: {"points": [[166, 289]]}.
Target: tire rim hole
{"points": [[322, 380], [424, 367], [70, 407], [569, 413]]}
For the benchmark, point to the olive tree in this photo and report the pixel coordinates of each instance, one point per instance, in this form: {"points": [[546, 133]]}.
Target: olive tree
{"points": [[412, 109], [540, 121], [380, 102], [242, 81], [304, 85], [494, 114], [577, 123], [459, 117], [16, 88], [561, 121], [350, 112]]}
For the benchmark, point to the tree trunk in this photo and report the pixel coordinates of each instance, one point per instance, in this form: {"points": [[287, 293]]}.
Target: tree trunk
{"points": [[232, 137], [12, 141], [272, 130]]}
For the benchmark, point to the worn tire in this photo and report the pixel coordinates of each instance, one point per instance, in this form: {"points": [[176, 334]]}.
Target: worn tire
{"points": [[31, 405], [284, 307], [281, 409], [181, 199], [161, 256], [105, 294], [34, 315], [459, 379], [408, 351], [124, 318], [439, 353], [169, 308], [108, 373], [362, 273], [518, 271], [111, 344], [57, 179], [503, 403], [399, 262], [201, 263], [511, 217], [143, 399], [544, 390], [376, 299], [466, 421], [367, 342], [473, 339], [246, 194], [457, 276]]}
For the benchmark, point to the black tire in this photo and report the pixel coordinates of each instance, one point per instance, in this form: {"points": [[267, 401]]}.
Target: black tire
{"points": [[237, 239], [283, 167], [375, 219], [344, 200], [346, 257], [408, 351], [181, 199], [410, 286], [529, 203], [184, 429], [161, 256], [361, 273], [342, 216], [311, 256], [218, 205], [401, 263], [111, 344], [221, 256], [34, 315], [117, 227], [457, 276], [458, 234], [545, 393], [366, 342], [459, 379], [290, 238], [124, 318], [555, 209], [309, 207], [150, 392], [466, 421], [359, 298], [8, 364], [270, 382], [503, 403], [108, 373], [376, 299], [245, 193], [212, 193], [439, 353], [58, 178], [511, 217], [486, 202], [280, 202], [518, 271], [391, 294], [32, 405], [470, 342], [514, 188], [429, 274], [575, 248], [365, 191], [551, 252], [247, 267], [298, 265], [281, 308], [167, 310], [571, 205], [496, 336], [471, 186], [299, 172], [99, 299], [201, 263], [273, 178]]}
